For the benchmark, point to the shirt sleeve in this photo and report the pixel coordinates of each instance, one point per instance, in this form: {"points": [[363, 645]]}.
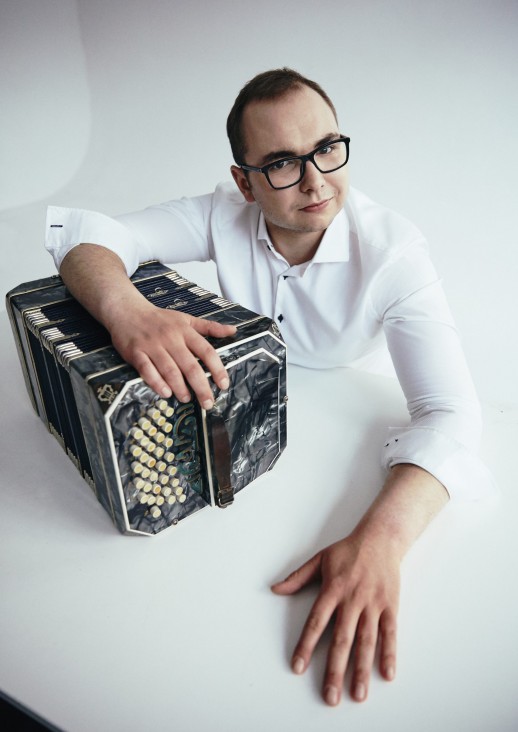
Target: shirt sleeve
{"points": [[445, 417], [177, 231], [69, 227]]}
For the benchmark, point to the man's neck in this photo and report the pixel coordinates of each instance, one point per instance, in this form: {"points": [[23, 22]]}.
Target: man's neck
{"points": [[296, 247]]}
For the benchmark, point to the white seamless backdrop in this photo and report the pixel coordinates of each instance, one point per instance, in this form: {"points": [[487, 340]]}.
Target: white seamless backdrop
{"points": [[117, 104]]}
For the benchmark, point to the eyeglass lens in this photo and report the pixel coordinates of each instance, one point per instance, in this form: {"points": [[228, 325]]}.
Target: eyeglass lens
{"points": [[327, 158]]}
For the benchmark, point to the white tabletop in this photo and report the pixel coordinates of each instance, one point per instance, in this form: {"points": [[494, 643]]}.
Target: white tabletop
{"points": [[180, 631]]}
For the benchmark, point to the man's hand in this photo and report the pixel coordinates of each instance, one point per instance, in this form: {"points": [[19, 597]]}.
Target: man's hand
{"points": [[360, 580], [164, 346], [360, 587]]}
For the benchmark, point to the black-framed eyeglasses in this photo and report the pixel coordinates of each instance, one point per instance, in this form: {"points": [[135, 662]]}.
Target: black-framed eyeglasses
{"points": [[287, 172]]}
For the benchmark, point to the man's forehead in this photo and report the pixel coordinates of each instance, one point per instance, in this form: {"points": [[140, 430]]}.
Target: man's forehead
{"points": [[300, 118]]}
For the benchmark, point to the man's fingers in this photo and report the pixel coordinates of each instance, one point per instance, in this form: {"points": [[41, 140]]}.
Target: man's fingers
{"points": [[185, 357], [318, 618], [212, 328], [172, 354], [201, 348], [315, 625], [388, 635], [192, 372], [150, 374], [366, 641], [163, 376], [360, 597], [338, 655], [300, 577], [180, 360]]}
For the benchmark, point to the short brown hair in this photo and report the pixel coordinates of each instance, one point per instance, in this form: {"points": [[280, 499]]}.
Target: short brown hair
{"points": [[267, 85]]}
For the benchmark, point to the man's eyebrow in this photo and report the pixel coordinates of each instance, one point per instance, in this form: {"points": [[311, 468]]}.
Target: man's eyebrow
{"points": [[276, 155], [279, 154]]}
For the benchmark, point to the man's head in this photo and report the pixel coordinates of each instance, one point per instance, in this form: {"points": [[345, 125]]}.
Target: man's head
{"points": [[268, 86], [280, 115]]}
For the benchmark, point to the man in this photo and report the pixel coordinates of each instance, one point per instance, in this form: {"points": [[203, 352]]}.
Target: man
{"points": [[339, 274]]}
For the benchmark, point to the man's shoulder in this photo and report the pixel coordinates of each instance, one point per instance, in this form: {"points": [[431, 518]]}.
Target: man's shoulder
{"points": [[230, 212], [227, 193], [379, 227]]}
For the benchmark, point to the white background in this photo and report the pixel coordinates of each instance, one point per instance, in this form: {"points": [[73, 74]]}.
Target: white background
{"points": [[117, 104]]}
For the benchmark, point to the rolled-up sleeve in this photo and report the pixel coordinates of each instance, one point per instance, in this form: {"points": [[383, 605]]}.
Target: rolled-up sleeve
{"points": [[445, 427], [68, 227], [176, 231]]}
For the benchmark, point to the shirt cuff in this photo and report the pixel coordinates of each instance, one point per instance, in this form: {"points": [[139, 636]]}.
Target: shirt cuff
{"points": [[460, 470], [68, 227]]}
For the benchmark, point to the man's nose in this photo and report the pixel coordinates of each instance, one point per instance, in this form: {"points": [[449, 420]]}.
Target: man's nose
{"points": [[312, 177]]}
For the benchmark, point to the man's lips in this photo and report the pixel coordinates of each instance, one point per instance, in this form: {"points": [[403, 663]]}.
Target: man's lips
{"points": [[316, 207]]}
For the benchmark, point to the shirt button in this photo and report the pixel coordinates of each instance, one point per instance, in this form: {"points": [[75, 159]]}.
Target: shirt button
{"points": [[280, 318]]}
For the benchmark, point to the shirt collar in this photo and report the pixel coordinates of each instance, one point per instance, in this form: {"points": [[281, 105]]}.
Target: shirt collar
{"points": [[334, 246]]}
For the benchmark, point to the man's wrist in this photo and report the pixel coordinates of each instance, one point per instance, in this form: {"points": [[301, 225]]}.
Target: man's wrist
{"points": [[409, 500]]}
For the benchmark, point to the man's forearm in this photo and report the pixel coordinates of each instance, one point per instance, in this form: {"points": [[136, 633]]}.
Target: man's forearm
{"points": [[410, 498], [165, 346], [96, 277]]}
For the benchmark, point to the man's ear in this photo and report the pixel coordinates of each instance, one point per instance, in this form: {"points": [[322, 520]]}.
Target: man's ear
{"points": [[242, 183]]}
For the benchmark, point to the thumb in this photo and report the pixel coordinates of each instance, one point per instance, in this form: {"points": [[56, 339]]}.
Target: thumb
{"points": [[299, 578]]}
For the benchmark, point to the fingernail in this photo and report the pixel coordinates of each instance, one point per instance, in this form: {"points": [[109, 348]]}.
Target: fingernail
{"points": [[390, 673], [224, 384], [359, 692], [166, 392], [207, 404], [331, 695], [298, 665], [186, 398]]}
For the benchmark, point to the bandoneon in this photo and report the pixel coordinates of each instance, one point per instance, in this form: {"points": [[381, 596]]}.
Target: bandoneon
{"points": [[152, 461]]}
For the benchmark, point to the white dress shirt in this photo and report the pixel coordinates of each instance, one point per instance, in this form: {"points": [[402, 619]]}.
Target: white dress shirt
{"points": [[370, 285]]}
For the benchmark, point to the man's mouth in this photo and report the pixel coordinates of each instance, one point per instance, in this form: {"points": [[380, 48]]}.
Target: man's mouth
{"points": [[317, 206]]}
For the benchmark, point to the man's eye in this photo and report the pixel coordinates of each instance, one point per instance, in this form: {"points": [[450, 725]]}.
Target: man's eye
{"points": [[281, 165], [326, 150]]}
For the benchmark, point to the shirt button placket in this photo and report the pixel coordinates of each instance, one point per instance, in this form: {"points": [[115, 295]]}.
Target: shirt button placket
{"points": [[279, 300]]}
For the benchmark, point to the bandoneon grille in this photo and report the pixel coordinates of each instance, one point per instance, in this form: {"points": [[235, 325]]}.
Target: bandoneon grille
{"points": [[152, 461]]}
